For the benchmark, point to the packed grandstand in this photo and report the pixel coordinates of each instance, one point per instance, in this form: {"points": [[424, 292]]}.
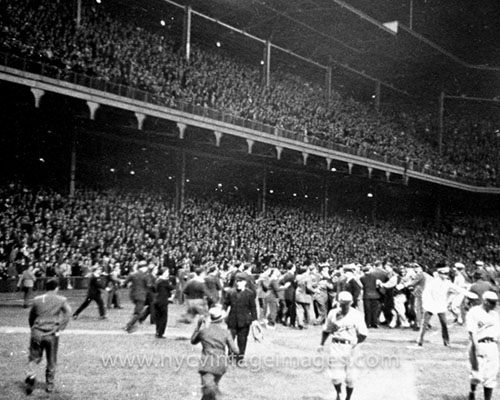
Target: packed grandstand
{"points": [[106, 48], [45, 226]]}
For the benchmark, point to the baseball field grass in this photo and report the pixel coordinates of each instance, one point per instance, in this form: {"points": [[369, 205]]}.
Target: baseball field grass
{"points": [[98, 360]]}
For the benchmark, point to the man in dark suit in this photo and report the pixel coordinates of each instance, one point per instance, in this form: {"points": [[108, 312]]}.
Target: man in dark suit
{"points": [[289, 295], [138, 292], [371, 297], [351, 284], [150, 295], [241, 315], [164, 288], [93, 294]]}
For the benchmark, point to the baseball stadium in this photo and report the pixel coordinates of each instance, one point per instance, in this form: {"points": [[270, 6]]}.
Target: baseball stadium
{"points": [[265, 199]]}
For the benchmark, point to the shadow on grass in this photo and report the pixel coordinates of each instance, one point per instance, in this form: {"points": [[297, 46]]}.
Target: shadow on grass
{"points": [[461, 397], [40, 393]]}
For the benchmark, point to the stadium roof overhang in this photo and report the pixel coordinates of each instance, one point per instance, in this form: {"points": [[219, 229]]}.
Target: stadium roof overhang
{"points": [[432, 47]]}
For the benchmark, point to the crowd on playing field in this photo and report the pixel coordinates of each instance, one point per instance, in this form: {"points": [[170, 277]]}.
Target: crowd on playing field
{"points": [[285, 251], [106, 48], [298, 295]]}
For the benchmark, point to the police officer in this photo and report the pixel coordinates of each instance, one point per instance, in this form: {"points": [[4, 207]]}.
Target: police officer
{"points": [[483, 325], [49, 315]]}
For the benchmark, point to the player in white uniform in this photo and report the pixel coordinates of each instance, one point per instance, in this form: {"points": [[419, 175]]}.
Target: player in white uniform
{"points": [[348, 329], [483, 325]]}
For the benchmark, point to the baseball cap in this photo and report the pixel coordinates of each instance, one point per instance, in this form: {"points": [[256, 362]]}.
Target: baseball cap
{"points": [[345, 297], [443, 270], [490, 296]]}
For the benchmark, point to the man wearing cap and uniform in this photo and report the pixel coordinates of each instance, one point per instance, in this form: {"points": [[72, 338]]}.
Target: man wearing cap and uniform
{"points": [[241, 315], [435, 301], [348, 329], [215, 340], [483, 325]]}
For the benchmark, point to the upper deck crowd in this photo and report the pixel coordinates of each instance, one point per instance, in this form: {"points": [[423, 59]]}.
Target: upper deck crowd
{"points": [[105, 47]]}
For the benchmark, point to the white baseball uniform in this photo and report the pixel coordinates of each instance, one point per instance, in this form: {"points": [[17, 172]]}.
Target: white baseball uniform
{"points": [[485, 326], [341, 360]]}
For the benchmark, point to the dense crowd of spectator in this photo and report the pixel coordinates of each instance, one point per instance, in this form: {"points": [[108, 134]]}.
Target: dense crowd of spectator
{"points": [[46, 229], [108, 49]]}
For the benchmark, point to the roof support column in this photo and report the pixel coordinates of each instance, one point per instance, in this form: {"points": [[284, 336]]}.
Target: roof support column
{"points": [[324, 204], [93, 108], [328, 163], [180, 184], [377, 95], [350, 165], [304, 157], [388, 176], [182, 128], [441, 123], [250, 143], [140, 120], [186, 34], [266, 68], [218, 137], [279, 149], [328, 83], [264, 191], [38, 93]]}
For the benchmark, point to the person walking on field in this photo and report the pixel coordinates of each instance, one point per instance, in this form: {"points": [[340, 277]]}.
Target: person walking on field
{"points": [[139, 286], [195, 297], [48, 316], [113, 288], [163, 294], [26, 283], [348, 329], [242, 313], [215, 341], [483, 325], [93, 294], [435, 301], [303, 297]]}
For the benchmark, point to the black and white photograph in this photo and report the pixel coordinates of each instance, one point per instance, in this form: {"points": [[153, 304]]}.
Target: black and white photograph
{"points": [[249, 199]]}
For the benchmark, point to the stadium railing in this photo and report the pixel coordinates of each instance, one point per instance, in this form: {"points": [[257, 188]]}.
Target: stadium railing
{"points": [[98, 83]]}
